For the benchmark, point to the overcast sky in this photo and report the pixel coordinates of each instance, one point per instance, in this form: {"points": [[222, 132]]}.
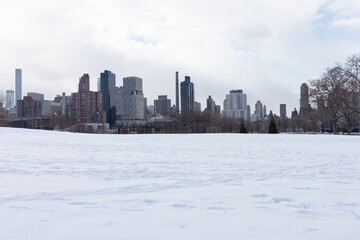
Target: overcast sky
{"points": [[267, 48]]}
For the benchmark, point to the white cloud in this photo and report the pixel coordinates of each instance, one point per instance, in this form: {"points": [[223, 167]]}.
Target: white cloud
{"points": [[262, 47]]}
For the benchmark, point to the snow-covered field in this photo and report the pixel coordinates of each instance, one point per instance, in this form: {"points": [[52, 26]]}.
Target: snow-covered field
{"points": [[213, 186]]}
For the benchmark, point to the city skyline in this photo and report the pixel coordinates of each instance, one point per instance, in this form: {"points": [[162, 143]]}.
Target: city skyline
{"points": [[221, 45], [101, 82]]}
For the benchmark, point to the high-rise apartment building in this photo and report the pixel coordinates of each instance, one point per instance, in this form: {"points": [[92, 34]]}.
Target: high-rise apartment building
{"points": [[130, 102], [264, 111], [162, 105], [65, 102], [283, 111], [259, 110], [18, 84], [187, 96], [28, 108], [248, 111], [86, 106], [210, 104], [304, 100], [235, 105], [10, 99], [217, 110], [197, 106], [108, 90]]}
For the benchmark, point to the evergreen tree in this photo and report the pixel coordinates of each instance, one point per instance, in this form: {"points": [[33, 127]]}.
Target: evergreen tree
{"points": [[242, 127], [272, 126]]}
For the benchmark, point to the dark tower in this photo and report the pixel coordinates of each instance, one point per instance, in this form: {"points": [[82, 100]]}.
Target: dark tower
{"points": [[304, 100], [177, 92], [187, 96], [107, 83]]}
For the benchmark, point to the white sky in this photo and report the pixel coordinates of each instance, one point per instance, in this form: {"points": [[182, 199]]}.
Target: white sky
{"points": [[267, 48]]}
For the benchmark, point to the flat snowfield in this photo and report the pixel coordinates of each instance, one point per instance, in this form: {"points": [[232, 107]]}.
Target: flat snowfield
{"points": [[65, 186]]}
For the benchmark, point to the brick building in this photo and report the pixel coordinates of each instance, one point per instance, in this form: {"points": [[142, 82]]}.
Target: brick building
{"points": [[86, 104], [28, 108]]}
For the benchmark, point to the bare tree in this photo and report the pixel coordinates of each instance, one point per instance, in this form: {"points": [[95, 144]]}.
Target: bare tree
{"points": [[326, 93], [336, 94], [2, 99], [4, 118]]}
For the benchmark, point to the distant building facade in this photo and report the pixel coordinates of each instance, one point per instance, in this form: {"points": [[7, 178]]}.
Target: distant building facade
{"points": [[212, 107], [259, 110], [162, 105], [283, 111], [248, 112], [36, 96], [65, 102], [217, 109], [304, 100], [18, 84], [197, 106], [87, 105], [187, 96], [51, 107], [28, 108], [235, 105], [130, 102], [294, 113], [10, 99], [108, 90], [210, 104], [264, 111]]}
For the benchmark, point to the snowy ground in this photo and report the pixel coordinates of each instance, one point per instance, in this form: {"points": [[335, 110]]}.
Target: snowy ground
{"points": [[212, 186]]}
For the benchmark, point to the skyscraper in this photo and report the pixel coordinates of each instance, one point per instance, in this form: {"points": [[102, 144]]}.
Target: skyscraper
{"points": [[130, 102], [18, 84], [304, 100], [283, 111], [86, 105], [187, 96], [210, 104], [259, 110], [248, 111], [10, 99], [235, 105], [108, 90], [264, 111]]}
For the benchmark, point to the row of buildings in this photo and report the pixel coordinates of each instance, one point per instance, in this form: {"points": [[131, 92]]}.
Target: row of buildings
{"points": [[126, 105]]}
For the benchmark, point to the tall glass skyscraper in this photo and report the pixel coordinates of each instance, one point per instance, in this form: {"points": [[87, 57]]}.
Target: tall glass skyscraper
{"points": [[18, 84], [187, 96], [108, 90], [10, 99]]}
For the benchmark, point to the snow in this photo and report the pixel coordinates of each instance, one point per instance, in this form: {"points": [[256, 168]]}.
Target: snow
{"points": [[56, 185]]}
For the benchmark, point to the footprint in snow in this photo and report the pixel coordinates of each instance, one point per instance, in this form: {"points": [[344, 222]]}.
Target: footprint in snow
{"points": [[280, 200]]}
